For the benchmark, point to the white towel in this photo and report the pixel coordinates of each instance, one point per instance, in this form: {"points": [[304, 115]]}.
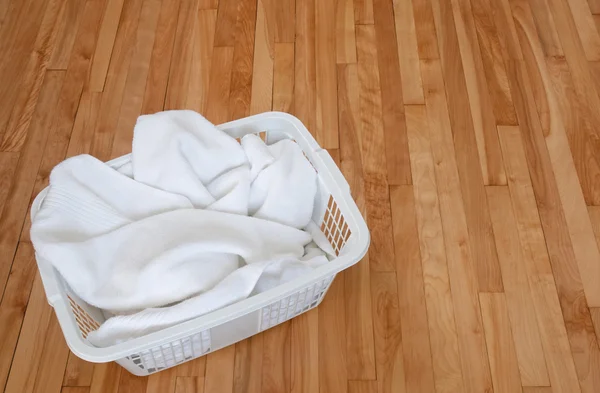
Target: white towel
{"points": [[173, 224]]}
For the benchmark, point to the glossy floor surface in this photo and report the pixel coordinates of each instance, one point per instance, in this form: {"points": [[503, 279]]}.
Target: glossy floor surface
{"points": [[469, 131]]}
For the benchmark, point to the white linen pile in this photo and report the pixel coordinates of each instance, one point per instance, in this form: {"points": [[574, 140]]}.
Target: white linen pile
{"points": [[193, 222]]}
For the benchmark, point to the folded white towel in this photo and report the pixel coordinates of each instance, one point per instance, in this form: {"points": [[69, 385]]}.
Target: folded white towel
{"points": [[173, 224]]}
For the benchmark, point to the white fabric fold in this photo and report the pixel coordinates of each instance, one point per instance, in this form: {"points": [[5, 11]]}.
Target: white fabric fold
{"points": [[196, 221]]}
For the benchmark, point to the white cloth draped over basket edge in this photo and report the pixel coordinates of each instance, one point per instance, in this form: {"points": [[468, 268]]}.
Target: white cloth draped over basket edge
{"points": [[126, 245]]}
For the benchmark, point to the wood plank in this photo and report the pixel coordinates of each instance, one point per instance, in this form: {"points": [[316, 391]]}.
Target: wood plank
{"points": [[106, 41], [500, 344], [567, 164], [586, 28], [372, 142], [132, 384], [133, 93], [53, 360], [66, 31], [217, 106], [18, 197], [192, 368], [553, 335], [425, 30], [471, 181], [219, 370], [537, 389], [326, 80], [18, 36], [283, 77], [247, 373], [360, 347], [227, 16], [390, 87], [243, 54], [160, 62], [461, 269], [31, 83], [276, 371], [305, 352], [434, 283], [594, 212], [482, 113], [27, 356], [305, 80], [345, 39], [8, 166], [106, 378], [418, 364], [584, 344], [264, 57], [546, 28], [493, 64], [14, 305], [183, 49], [595, 312], [530, 355], [189, 385], [164, 381], [507, 32], [333, 374], [408, 53], [116, 78], [388, 335], [70, 389], [363, 12], [281, 19], [362, 386], [78, 372]]}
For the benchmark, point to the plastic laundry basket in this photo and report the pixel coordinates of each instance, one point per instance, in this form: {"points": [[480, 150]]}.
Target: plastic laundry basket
{"points": [[338, 217]]}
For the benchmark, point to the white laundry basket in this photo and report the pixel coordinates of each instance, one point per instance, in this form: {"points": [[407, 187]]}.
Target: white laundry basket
{"points": [[338, 217]]}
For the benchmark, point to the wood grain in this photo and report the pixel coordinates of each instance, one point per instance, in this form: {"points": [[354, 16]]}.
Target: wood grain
{"points": [[345, 40], [521, 309], [438, 296], [408, 53], [189, 385], [305, 79], [66, 30], [106, 378], [104, 47], [501, 348], [283, 78], [276, 371], [217, 106], [8, 165], [247, 372], [219, 370], [78, 372], [226, 21], [305, 353], [363, 12], [264, 58]]}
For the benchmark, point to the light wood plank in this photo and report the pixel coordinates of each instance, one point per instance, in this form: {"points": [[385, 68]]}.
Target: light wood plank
{"points": [[445, 356], [276, 372], [484, 121], [133, 93], [305, 353], [408, 53], [243, 53], [326, 80], [78, 372], [553, 335], [281, 19], [67, 26], [546, 28], [263, 68], [333, 374], [363, 12], [500, 344], [24, 177], [390, 88], [24, 101], [283, 78], [493, 63], [345, 39], [586, 28], [183, 49], [461, 269], [27, 356], [219, 371], [360, 347], [217, 106], [530, 355], [106, 378], [247, 373], [106, 41], [189, 385], [388, 335], [537, 389], [14, 305], [53, 360], [132, 384], [305, 104], [163, 382], [158, 74]]}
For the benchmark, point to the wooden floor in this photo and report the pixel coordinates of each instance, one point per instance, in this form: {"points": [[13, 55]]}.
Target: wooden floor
{"points": [[469, 131]]}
